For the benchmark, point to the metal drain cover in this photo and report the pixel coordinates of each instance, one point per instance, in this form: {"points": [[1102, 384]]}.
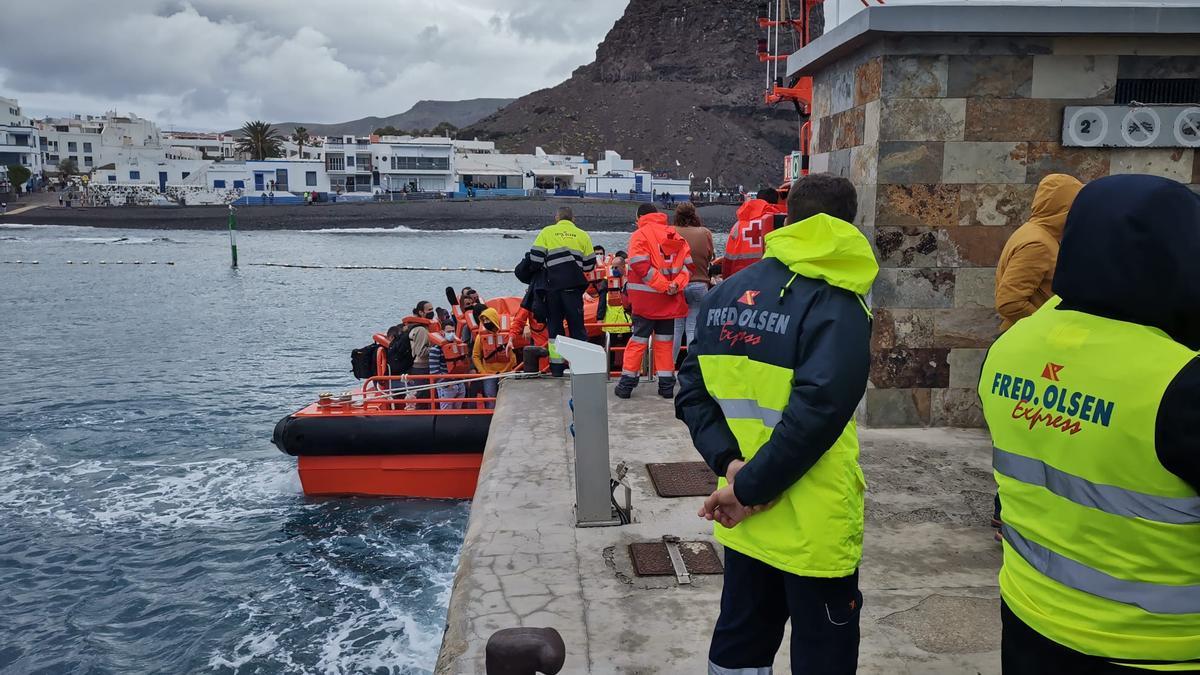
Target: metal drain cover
{"points": [[682, 479], [651, 559]]}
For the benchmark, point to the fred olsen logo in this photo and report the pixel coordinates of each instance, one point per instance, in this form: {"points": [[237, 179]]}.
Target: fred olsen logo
{"points": [[1050, 403], [748, 297], [1051, 371]]}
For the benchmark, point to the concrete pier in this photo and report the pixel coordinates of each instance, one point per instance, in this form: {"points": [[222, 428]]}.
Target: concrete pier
{"points": [[928, 575]]}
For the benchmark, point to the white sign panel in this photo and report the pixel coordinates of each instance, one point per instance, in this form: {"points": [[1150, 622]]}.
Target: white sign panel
{"points": [[1122, 126]]}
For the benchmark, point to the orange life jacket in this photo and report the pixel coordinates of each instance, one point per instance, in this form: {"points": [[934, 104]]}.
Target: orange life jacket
{"points": [[495, 344], [453, 350], [464, 320]]}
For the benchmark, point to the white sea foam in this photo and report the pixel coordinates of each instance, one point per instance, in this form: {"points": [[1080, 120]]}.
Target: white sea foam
{"points": [[135, 496], [369, 627]]}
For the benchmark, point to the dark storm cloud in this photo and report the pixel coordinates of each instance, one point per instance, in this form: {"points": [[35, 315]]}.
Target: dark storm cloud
{"points": [[215, 63]]}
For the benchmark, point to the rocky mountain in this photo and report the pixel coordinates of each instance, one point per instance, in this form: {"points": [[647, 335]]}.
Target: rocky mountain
{"points": [[676, 86], [423, 115]]}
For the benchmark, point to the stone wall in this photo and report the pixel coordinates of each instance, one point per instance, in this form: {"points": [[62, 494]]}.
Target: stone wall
{"points": [[946, 139], [122, 194]]}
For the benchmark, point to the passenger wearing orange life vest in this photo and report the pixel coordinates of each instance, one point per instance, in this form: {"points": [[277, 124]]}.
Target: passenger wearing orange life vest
{"points": [[658, 260], [598, 283], [464, 315], [448, 355], [418, 327], [491, 353], [755, 220]]}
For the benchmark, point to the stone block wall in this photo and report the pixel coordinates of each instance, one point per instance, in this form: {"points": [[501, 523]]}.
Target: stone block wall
{"points": [[946, 139]]}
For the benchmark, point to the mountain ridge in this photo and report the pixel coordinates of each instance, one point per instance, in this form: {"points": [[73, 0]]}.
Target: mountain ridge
{"points": [[676, 86], [424, 114]]}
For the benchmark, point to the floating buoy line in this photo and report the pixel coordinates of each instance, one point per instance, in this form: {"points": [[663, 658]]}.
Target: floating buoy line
{"points": [[411, 268]]}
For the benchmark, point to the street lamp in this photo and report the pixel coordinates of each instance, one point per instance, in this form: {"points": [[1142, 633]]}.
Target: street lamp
{"points": [[708, 181]]}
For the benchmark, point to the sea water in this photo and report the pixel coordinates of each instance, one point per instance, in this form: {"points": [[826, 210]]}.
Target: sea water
{"points": [[147, 524]]}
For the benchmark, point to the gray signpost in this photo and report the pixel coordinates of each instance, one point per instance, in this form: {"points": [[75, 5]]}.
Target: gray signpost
{"points": [[589, 395]]}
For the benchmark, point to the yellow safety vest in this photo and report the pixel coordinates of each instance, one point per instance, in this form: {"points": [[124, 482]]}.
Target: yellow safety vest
{"points": [[816, 527], [1101, 542]]}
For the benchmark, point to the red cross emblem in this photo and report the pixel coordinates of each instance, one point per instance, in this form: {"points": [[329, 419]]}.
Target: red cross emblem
{"points": [[753, 233]]}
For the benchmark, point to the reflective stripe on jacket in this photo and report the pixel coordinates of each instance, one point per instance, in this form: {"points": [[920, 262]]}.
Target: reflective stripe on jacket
{"points": [[1101, 542], [566, 255]]}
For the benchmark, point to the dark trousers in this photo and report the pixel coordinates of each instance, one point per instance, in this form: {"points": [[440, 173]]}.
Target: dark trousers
{"points": [[758, 600], [1024, 651], [565, 306]]}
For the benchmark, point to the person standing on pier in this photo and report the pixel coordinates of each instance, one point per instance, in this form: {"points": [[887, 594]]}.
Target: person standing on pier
{"points": [[563, 255], [768, 391], [1092, 404], [755, 220], [658, 275]]}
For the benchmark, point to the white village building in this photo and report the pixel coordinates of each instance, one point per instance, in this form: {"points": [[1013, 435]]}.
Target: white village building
{"points": [[209, 146], [617, 177], [93, 140], [19, 139]]}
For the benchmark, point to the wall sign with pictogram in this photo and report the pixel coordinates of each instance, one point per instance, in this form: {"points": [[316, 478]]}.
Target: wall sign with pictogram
{"points": [[1123, 126]]}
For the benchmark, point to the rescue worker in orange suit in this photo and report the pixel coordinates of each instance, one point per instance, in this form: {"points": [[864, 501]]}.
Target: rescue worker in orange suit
{"points": [[755, 220], [658, 260], [538, 337], [491, 353]]}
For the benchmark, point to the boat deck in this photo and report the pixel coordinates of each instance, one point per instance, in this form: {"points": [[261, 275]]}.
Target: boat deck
{"points": [[929, 573]]}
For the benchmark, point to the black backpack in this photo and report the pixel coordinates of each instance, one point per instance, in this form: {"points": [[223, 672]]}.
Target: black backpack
{"points": [[399, 353], [362, 361]]}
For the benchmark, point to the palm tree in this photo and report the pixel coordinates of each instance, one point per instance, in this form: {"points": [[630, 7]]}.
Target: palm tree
{"points": [[260, 140], [67, 168], [301, 136]]}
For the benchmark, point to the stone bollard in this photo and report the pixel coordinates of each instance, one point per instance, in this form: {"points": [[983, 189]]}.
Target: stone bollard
{"points": [[525, 651]]}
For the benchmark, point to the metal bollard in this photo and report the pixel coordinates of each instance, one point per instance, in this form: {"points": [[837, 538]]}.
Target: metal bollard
{"points": [[589, 399], [525, 651]]}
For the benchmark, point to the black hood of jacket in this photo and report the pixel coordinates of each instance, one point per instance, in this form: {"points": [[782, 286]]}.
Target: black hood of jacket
{"points": [[1131, 252]]}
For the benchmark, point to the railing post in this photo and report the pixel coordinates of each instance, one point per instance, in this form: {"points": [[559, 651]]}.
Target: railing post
{"points": [[589, 403]]}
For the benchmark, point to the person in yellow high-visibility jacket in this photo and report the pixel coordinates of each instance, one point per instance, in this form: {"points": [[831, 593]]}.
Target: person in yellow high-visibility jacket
{"points": [[1093, 404], [768, 390]]}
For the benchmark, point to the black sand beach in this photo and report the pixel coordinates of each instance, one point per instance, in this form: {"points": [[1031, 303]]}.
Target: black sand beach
{"points": [[524, 214]]}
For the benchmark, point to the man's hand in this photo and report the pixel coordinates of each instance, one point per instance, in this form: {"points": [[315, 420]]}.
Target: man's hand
{"points": [[673, 288], [723, 507], [734, 467]]}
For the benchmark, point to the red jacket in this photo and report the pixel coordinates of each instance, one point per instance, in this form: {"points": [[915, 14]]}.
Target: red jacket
{"points": [[658, 257], [755, 219]]}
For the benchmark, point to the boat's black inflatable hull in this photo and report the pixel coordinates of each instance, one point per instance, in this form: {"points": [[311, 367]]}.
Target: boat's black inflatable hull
{"points": [[381, 435]]}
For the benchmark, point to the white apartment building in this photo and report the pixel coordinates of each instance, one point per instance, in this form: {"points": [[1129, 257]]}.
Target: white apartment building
{"points": [[209, 146], [314, 149], [93, 141], [415, 164], [19, 139], [348, 162]]}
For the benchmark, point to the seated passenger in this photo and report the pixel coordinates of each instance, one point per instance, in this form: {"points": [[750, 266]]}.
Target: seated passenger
{"points": [[491, 353]]}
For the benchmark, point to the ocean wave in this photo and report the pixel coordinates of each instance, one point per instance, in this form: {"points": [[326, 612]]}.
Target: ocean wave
{"points": [[382, 598], [111, 495]]}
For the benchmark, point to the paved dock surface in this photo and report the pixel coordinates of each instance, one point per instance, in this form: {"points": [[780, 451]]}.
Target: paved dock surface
{"points": [[928, 575]]}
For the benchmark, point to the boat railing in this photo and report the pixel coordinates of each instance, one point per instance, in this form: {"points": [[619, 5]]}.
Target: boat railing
{"points": [[425, 394]]}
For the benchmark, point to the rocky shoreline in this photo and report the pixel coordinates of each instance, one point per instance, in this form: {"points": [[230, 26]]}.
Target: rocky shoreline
{"points": [[523, 214]]}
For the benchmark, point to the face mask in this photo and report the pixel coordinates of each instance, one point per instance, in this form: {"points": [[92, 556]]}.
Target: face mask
{"points": [[429, 315], [489, 326]]}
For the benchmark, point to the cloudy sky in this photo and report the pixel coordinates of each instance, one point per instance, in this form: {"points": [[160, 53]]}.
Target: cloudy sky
{"points": [[212, 64]]}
